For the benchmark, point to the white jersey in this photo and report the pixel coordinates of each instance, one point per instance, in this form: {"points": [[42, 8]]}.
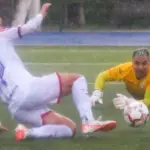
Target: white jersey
{"points": [[12, 70]]}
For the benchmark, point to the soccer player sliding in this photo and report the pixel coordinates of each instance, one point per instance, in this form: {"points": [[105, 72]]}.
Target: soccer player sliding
{"points": [[28, 97]]}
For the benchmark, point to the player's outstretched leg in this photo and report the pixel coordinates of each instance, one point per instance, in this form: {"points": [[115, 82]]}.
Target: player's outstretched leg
{"points": [[77, 85], [54, 126], [46, 89]]}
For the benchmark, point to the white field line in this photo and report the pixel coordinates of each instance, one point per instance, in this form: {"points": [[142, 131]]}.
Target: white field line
{"points": [[69, 64], [112, 83], [73, 51], [86, 64]]}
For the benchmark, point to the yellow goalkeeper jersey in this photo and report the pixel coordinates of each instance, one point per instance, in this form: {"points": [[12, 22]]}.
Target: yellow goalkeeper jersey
{"points": [[139, 89]]}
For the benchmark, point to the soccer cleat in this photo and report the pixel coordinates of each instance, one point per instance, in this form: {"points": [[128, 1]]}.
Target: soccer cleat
{"points": [[21, 131], [99, 125]]}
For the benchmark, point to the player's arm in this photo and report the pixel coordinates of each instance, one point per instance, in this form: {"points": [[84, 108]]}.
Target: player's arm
{"points": [[102, 78], [113, 74], [146, 99], [27, 28]]}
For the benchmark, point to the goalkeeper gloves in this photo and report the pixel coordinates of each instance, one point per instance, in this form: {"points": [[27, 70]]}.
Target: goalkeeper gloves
{"points": [[96, 97], [120, 101]]}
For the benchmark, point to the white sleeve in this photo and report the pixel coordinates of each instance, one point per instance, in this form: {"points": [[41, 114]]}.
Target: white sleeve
{"points": [[27, 28]]}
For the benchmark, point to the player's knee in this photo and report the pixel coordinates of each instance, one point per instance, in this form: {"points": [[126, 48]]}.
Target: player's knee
{"points": [[67, 81], [74, 77], [68, 78]]}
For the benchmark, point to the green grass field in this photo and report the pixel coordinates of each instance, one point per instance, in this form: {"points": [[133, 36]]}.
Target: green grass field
{"points": [[88, 61]]}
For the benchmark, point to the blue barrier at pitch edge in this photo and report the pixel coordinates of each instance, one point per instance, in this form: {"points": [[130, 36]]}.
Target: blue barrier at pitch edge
{"points": [[87, 38]]}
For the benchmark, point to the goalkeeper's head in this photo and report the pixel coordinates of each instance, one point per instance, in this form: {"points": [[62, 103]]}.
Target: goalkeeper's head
{"points": [[140, 60]]}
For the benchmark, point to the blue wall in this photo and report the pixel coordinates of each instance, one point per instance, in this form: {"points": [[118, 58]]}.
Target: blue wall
{"points": [[87, 38]]}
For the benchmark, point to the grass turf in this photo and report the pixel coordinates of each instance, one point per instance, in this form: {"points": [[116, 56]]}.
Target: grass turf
{"points": [[88, 61]]}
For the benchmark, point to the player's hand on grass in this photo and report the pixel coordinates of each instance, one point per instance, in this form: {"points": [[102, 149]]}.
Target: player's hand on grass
{"points": [[44, 9], [96, 97], [120, 101], [3, 128]]}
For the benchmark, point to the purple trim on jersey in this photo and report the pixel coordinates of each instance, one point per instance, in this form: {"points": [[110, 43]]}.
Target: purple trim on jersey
{"points": [[19, 32]]}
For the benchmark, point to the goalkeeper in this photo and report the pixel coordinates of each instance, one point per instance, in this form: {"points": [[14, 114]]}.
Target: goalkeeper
{"points": [[135, 75]]}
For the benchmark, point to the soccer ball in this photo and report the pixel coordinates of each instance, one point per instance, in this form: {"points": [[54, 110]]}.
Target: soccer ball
{"points": [[136, 114]]}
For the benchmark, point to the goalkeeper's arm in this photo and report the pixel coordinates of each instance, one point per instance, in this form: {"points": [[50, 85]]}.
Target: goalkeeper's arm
{"points": [[100, 81], [98, 86], [29, 27], [113, 74], [146, 99]]}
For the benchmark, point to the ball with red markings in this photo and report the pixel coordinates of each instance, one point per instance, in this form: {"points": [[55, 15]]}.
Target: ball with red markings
{"points": [[136, 114]]}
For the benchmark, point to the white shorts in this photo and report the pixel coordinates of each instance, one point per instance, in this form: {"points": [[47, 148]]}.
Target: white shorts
{"points": [[32, 118], [43, 91], [29, 106]]}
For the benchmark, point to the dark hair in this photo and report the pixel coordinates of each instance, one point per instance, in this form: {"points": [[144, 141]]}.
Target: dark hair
{"points": [[140, 52]]}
